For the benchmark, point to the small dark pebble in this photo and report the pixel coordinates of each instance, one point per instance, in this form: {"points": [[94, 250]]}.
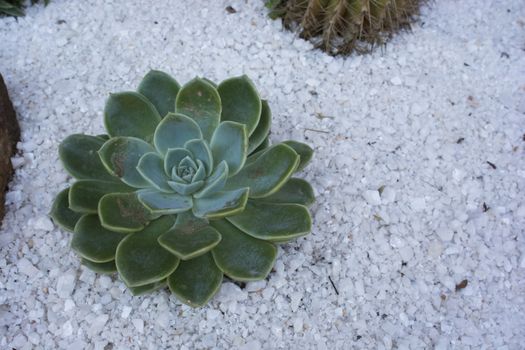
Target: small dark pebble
{"points": [[485, 207], [231, 9], [358, 337], [466, 64], [492, 165], [460, 140], [461, 285], [504, 54], [61, 21], [523, 137]]}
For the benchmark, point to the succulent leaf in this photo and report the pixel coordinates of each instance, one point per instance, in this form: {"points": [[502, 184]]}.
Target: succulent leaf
{"points": [[230, 143], [173, 157], [240, 102], [200, 150], [264, 145], [148, 288], [268, 172], [303, 150], [141, 260], [120, 156], [296, 191], [105, 267], [186, 189], [174, 131], [196, 281], [199, 100], [123, 212], [94, 242], [61, 214], [130, 114], [159, 203], [240, 256], [84, 195], [215, 182], [263, 127], [220, 204], [151, 167], [161, 90], [190, 237], [79, 155], [273, 222]]}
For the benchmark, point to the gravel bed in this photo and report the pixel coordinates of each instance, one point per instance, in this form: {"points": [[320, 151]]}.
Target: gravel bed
{"points": [[418, 237]]}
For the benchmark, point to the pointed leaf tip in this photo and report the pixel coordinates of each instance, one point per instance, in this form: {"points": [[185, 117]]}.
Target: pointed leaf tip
{"points": [[199, 100], [161, 90], [240, 102]]}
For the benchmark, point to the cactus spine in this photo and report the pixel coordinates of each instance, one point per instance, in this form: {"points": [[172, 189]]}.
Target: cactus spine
{"points": [[345, 26]]}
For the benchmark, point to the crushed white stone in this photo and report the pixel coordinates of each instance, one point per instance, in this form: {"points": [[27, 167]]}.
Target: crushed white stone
{"points": [[407, 205]]}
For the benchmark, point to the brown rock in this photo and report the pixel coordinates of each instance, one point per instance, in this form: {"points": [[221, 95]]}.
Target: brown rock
{"points": [[9, 136]]}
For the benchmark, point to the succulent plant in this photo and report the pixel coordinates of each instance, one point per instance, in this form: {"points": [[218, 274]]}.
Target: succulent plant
{"points": [[345, 26], [15, 8], [184, 188]]}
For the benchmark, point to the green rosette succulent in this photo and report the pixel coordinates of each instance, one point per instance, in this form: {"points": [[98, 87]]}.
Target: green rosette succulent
{"points": [[184, 188]]}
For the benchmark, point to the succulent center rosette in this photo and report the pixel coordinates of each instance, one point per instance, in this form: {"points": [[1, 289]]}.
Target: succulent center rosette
{"points": [[184, 189]]}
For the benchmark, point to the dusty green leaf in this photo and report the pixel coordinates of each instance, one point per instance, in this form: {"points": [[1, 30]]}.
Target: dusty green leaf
{"points": [[151, 167], [304, 151], [159, 203], [295, 190], [263, 128], [161, 90], [174, 131], [84, 195], [190, 237], [79, 155], [240, 256], [148, 288], [94, 242], [199, 100], [230, 144], [120, 156], [61, 214], [267, 173], [272, 221], [123, 212], [215, 182], [130, 114], [196, 281], [201, 151], [141, 260], [240, 102], [220, 204], [105, 267]]}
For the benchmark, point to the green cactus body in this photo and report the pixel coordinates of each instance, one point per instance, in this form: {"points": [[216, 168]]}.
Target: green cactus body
{"points": [[184, 189], [344, 26]]}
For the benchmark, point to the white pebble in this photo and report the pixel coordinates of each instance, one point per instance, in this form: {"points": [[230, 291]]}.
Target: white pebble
{"points": [[445, 233], [139, 324], [25, 267], [388, 195], [126, 310], [372, 197], [418, 203], [65, 284]]}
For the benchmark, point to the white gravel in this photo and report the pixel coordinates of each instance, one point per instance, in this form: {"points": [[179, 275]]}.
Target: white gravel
{"points": [[408, 205]]}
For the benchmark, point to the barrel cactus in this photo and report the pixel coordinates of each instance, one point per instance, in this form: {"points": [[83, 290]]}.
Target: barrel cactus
{"points": [[345, 26], [184, 188]]}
